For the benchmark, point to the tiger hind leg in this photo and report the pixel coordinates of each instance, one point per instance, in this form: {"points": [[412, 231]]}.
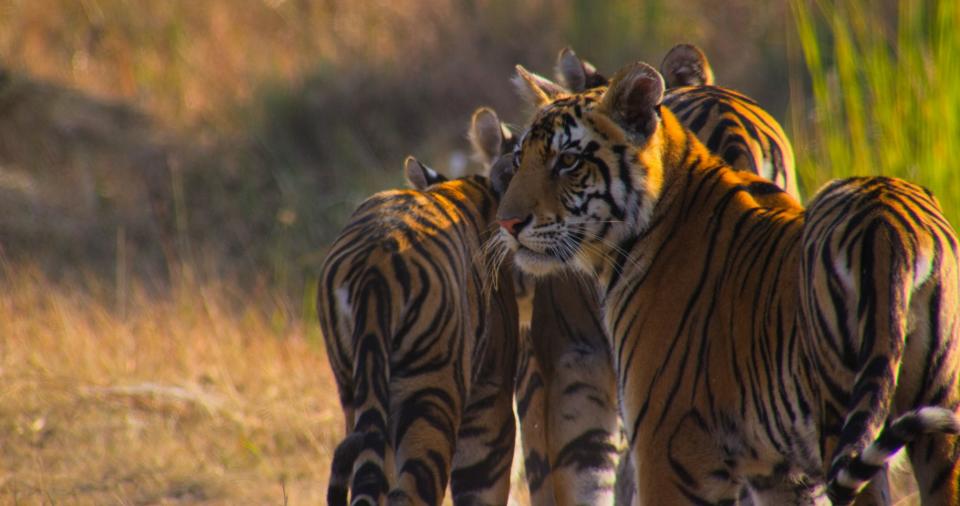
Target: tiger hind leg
{"points": [[936, 464], [484, 449], [531, 410], [485, 442], [427, 411], [368, 444], [683, 466], [881, 266], [931, 377]]}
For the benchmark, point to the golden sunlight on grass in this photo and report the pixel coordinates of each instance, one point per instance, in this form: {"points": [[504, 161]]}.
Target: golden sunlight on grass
{"points": [[197, 397], [186, 399]]}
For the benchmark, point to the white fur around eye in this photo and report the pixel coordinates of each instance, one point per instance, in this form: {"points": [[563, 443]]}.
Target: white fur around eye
{"points": [[563, 167]]}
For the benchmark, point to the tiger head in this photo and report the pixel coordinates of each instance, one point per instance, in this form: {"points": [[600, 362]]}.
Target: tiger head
{"points": [[493, 144], [588, 171]]}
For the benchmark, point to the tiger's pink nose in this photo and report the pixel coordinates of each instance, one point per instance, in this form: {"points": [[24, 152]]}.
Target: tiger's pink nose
{"points": [[510, 225]]}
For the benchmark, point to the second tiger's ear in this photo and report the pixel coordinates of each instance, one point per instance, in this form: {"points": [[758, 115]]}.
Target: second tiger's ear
{"points": [[536, 90], [576, 74], [488, 135], [419, 175]]}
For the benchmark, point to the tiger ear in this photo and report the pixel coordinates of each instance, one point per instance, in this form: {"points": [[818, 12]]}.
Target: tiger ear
{"points": [[419, 175], [633, 98], [576, 74], [493, 143], [537, 90], [686, 65], [487, 135]]}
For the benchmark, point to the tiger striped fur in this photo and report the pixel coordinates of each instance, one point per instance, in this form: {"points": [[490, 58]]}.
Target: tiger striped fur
{"points": [[905, 288], [729, 123], [759, 348], [577, 398], [422, 342], [587, 427], [566, 397]]}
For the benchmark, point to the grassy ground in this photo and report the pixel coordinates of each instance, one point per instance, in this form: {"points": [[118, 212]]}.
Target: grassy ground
{"points": [[198, 397], [191, 398]]}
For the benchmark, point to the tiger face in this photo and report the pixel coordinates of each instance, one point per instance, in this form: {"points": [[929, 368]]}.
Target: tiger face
{"points": [[588, 172]]}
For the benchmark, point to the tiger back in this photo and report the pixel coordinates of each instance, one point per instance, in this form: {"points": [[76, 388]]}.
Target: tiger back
{"points": [[422, 342], [729, 123]]}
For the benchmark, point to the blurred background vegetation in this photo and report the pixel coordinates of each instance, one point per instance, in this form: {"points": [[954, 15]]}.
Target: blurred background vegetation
{"points": [[140, 138], [207, 152], [238, 135]]}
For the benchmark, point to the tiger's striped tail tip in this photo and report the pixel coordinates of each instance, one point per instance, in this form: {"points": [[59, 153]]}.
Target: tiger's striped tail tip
{"points": [[851, 474]]}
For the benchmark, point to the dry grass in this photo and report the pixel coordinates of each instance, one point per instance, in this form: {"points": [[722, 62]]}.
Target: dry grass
{"points": [[188, 61], [196, 397], [190, 398]]}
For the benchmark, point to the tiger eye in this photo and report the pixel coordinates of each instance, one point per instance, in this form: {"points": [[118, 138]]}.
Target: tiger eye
{"points": [[568, 160]]}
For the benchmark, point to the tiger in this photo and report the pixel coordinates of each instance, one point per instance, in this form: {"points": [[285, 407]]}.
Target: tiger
{"points": [[565, 391], [422, 338], [567, 394], [734, 127], [761, 350]]}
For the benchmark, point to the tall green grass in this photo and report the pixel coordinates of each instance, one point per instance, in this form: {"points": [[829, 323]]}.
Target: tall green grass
{"points": [[885, 88]]}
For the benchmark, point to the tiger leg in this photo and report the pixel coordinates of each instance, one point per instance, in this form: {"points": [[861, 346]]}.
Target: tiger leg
{"points": [[336, 324], [349, 448], [426, 411], [531, 400], [484, 449], [367, 446], [880, 266], [870, 404], [585, 428], [683, 465], [485, 442], [344, 456], [936, 464], [884, 315], [581, 410], [931, 377], [531, 410], [856, 298]]}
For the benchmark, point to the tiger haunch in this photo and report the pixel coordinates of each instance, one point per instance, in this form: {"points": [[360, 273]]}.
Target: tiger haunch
{"points": [[422, 341]]}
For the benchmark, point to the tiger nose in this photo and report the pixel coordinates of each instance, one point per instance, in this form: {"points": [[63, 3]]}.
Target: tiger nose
{"points": [[513, 225]]}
